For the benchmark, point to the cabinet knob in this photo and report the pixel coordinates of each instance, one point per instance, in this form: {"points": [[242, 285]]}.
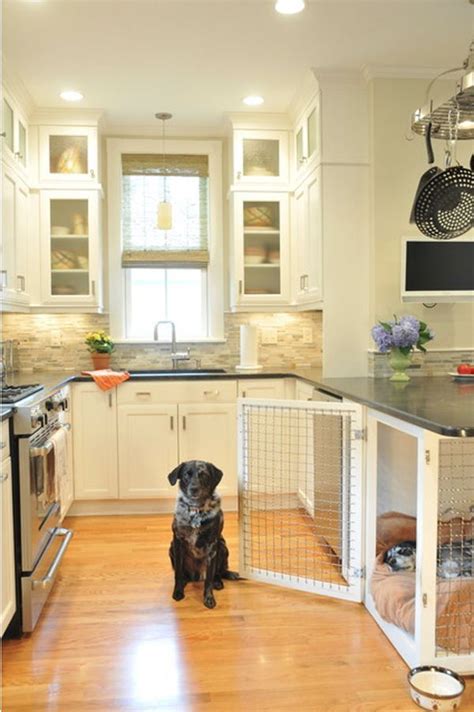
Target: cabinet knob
{"points": [[4, 477], [92, 173], [19, 155], [239, 175], [303, 159], [22, 283], [3, 274]]}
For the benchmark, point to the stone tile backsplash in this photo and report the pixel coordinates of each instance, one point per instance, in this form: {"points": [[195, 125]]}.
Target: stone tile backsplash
{"points": [[433, 363], [56, 341]]}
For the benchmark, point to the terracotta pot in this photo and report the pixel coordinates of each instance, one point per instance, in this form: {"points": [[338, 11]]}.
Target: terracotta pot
{"points": [[100, 361]]}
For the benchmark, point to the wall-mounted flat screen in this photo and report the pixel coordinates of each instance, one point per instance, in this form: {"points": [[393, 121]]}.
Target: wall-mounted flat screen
{"points": [[435, 270]]}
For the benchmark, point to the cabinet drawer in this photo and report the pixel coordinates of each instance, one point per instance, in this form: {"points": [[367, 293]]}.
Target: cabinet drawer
{"points": [[5, 440], [177, 392]]}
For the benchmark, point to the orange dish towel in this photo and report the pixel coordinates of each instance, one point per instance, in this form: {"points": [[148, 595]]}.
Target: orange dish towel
{"points": [[107, 379]]}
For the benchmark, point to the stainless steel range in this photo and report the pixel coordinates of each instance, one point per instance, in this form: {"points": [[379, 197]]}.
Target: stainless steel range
{"points": [[39, 425], [13, 394]]}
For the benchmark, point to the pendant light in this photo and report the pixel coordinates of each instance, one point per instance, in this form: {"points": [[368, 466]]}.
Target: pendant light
{"points": [[164, 216]]}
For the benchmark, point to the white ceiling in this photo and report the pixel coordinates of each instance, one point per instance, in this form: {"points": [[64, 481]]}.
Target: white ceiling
{"points": [[198, 58]]}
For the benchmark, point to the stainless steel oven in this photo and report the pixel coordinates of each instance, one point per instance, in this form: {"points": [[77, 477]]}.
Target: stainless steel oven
{"points": [[43, 540]]}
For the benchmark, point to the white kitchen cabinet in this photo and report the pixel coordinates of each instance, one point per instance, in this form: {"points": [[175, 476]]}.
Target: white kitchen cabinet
{"points": [[14, 277], [262, 388], [70, 249], [261, 250], [303, 391], [8, 603], [260, 158], [15, 141], [95, 442], [307, 242], [148, 449], [208, 431], [68, 155], [307, 140]]}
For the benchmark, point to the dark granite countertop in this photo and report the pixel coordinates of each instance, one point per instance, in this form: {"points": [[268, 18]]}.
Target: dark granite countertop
{"points": [[437, 403], [5, 412]]}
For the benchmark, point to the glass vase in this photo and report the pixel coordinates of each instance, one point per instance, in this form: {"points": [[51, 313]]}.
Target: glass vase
{"points": [[399, 362]]}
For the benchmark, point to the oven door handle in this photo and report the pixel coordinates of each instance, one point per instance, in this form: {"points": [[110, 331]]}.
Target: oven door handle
{"points": [[48, 579], [47, 446]]}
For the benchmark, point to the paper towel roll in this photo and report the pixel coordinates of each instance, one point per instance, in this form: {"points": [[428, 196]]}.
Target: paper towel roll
{"points": [[248, 348]]}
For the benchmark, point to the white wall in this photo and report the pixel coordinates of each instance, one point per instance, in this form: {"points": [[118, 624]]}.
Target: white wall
{"points": [[396, 166]]}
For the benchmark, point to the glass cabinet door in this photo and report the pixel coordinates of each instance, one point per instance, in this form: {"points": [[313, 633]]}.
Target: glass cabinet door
{"points": [[261, 245], [68, 154], [261, 157], [69, 247], [8, 125], [312, 132], [21, 143]]}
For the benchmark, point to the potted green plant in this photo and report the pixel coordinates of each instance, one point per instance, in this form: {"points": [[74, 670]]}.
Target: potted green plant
{"points": [[399, 338], [100, 346]]}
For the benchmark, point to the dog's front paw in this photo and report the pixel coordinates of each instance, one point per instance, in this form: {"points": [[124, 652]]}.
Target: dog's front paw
{"points": [[218, 585], [209, 601], [178, 594], [232, 575]]}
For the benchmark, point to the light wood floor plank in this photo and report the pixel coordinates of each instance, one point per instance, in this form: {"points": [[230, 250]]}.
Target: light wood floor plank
{"points": [[112, 639]]}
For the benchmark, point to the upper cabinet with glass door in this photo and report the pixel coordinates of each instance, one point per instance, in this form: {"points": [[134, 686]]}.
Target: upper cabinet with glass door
{"points": [[68, 155], [307, 141], [260, 250], [70, 249], [15, 135], [260, 159]]}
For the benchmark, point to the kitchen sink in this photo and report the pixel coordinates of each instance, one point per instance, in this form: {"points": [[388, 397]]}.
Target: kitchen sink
{"points": [[176, 371]]}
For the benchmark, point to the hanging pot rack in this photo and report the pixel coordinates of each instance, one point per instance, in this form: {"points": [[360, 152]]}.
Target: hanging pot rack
{"points": [[439, 115]]}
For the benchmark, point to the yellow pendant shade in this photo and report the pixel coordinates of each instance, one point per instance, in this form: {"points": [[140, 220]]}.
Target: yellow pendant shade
{"points": [[164, 218]]}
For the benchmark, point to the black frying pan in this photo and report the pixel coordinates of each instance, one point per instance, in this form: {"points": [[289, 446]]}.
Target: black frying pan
{"points": [[427, 175], [444, 202]]}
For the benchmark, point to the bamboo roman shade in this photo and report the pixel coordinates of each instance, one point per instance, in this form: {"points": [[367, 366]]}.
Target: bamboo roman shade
{"points": [[145, 179]]}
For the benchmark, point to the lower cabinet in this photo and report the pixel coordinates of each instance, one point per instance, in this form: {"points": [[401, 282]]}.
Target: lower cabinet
{"points": [[8, 603], [262, 388], [95, 442], [148, 449], [153, 439], [127, 441], [208, 431]]}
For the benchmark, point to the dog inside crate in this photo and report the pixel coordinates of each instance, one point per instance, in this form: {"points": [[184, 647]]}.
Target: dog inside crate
{"points": [[393, 584]]}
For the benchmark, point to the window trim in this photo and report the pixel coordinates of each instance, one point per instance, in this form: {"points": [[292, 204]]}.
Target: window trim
{"points": [[215, 269]]}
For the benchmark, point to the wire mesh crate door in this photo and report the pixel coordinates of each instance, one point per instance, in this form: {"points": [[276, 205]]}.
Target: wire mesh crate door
{"points": [[455, 550], [300, 495]]}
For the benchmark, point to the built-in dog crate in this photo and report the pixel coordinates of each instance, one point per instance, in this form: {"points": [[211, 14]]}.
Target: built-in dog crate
{"points": [[420, 487], [300, 495], [321, 499]]}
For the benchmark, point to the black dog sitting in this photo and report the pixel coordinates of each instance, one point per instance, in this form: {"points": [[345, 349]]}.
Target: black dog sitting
{"points": [[198, 550]]}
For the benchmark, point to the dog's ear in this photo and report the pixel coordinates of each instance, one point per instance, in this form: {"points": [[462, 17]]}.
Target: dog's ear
{"points": [[216, 473], [175, 474]]}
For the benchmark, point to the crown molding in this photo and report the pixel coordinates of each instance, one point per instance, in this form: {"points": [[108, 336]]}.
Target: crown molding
{"points": [[66, 116], [253, 119], [14, 86]]}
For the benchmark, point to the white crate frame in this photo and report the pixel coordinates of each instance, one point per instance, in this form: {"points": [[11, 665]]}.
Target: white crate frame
{"points": [[355, 589], [419, 649]]}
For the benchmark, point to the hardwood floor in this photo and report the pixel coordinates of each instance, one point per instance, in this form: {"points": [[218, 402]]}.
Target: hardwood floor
{"points": [[112, 639]]}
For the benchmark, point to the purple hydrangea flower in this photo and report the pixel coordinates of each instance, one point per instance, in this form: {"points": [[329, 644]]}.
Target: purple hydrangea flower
{"points": [[409, 321], [404, 335], [382, 338]]}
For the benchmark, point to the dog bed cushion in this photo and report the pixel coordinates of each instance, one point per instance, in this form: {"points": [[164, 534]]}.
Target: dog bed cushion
{"points": [[394, 591]]}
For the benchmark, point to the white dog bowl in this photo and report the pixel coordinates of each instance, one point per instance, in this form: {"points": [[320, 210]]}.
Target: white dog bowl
{"points": [[436, 688]]}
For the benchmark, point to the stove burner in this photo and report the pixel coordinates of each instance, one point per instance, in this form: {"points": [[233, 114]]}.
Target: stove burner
{"points": [[12, 394]]}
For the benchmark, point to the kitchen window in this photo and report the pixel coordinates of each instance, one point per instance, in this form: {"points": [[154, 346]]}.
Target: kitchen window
{"points": [[174, 274]]}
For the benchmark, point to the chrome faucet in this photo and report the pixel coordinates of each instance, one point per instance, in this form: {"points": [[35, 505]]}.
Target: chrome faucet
{"points": [[176, 356]]}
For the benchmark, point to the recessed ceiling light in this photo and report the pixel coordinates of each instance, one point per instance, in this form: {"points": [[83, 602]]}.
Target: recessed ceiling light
{"points": [[289, 7], [253, 100], [71, 95]]}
